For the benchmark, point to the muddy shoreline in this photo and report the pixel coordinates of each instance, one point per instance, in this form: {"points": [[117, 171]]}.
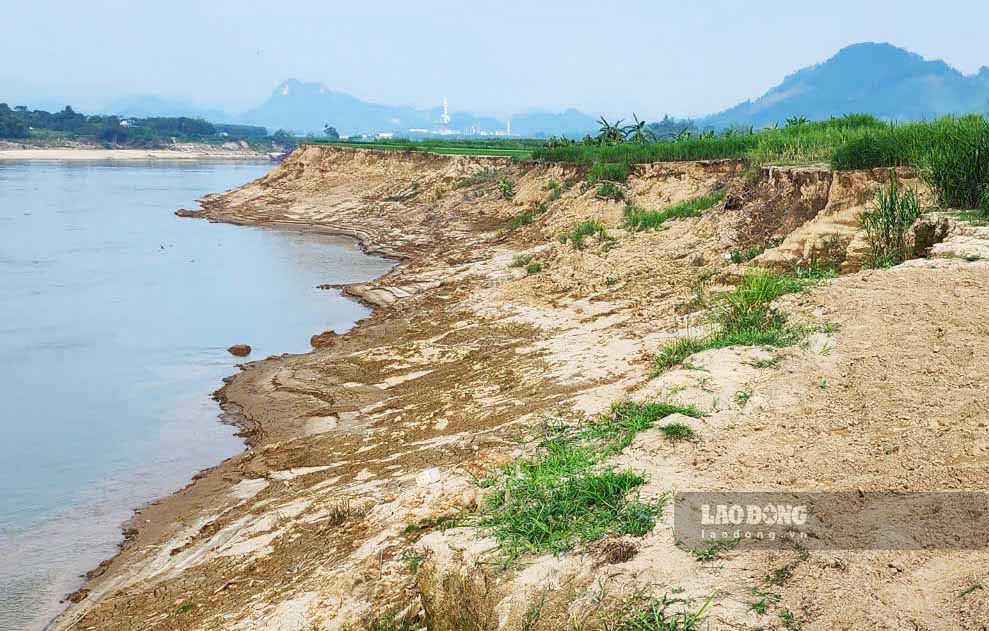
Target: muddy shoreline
{"points": [[250, 431]]}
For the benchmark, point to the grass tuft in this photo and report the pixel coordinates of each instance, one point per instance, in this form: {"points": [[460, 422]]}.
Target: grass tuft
{"points": [[521, 260], [625, 420], [746, 255], [677, 432], [585, 229], [557, 499], [609, 171], [642, 219], [713, 550], [533, 268], [887, 223], [657, 615], [610, 190], [744, 317]]}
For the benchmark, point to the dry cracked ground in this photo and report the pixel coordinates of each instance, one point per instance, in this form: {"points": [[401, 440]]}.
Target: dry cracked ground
{"points": [[358, 491]]}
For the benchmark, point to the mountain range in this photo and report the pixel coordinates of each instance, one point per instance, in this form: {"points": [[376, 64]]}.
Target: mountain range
{"points": [[876, 78]]}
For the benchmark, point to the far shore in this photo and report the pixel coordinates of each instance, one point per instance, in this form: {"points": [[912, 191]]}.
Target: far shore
{"points": [[131, 155]]}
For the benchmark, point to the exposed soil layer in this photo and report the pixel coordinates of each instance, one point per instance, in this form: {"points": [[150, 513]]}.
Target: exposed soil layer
{"points": [[358, 452]]}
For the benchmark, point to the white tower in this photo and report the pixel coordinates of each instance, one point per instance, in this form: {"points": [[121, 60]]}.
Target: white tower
{"points": [[446, 112]]}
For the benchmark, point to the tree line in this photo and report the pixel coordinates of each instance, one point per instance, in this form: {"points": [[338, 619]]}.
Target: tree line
{"points": [[19, 123]]}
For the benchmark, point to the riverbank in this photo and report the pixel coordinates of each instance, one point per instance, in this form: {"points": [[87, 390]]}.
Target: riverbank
{"points": [[354, 497]]}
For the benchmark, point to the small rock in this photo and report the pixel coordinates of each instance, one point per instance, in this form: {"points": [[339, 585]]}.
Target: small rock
{"points": [[326, 338], [239, 350], [697, 259]]}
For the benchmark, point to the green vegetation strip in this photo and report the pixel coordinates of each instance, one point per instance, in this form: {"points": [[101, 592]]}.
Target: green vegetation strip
{"points": [[637, 218], [493, 148], [565, 494]]}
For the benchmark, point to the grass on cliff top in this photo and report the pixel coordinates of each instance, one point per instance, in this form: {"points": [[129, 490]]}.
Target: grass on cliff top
{"points": [[565, 494], [637, 218], [499, 148], [744, 318]]}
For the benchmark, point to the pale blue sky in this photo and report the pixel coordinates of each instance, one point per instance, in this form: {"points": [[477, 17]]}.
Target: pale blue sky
{"points": [[488, 57]]}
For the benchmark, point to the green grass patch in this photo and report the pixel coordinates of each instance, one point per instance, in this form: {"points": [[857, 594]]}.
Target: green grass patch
{"points": [[637, 218], [743, 318], [526, 217], [486, 176], [585, 229], [565, 494], [746, 255], [677, 432], [555, 189], [521, 260], [513, 148], [610, 190], [764, 602], [713, 550], [659, 615], [956, 163], [887, 223], [533, 268], [609, 171], [558, 498], [625, 420]]}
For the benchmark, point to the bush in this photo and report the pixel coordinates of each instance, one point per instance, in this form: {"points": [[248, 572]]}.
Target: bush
{"points": [[886, 224]]}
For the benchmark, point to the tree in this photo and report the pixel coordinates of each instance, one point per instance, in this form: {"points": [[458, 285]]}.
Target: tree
{"points": [[331, 132], [610, 134], [285, 139], [637, 132]]}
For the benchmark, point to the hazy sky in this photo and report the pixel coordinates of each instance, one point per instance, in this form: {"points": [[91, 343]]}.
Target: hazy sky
{"points": [[487, 57]]}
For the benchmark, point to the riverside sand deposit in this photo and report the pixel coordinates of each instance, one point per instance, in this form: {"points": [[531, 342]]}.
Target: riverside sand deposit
{"points": [[358, 493]]}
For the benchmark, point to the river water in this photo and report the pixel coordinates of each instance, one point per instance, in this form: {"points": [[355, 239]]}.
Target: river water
{"points": [[114, 319]]}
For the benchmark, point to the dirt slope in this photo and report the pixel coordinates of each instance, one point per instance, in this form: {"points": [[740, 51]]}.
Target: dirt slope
{"points": [[359, 450]]}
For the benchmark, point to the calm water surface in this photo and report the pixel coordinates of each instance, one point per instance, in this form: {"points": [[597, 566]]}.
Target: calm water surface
{"points": [[114, 320]]}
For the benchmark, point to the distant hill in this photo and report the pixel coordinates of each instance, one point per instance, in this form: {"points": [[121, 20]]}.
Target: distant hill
{"points": [[879, 79], [306, 107]]}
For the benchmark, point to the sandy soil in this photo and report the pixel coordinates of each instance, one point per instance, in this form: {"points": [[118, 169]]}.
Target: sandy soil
{"points": [[359, 450]]}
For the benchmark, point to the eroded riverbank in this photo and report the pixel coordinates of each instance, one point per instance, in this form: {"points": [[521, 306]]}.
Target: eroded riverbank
{"points": [[367, 447]]}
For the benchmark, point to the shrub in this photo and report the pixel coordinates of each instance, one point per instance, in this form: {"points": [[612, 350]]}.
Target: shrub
{"points": [[506, 187], [887, 223]]}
